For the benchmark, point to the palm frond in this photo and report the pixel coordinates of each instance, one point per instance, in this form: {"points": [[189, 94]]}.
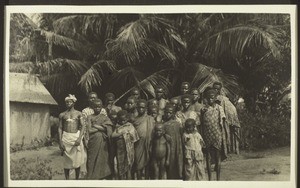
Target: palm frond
{"points": [[94, 75], [205, 76], [60, 65], [237, 39], [143, 37], [69, 43]]}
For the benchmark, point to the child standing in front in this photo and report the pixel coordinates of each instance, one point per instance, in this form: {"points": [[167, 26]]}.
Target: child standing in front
{"points": [[125, 136], [193, 156]]}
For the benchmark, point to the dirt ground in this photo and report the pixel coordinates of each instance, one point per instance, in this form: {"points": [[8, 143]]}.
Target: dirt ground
{"points": [[268, 165]]}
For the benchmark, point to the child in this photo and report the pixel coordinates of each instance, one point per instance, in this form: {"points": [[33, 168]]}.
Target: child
{"points": [[212, 125], [160, 152], [131, 108], [193, 156], [144, 125], [175, 102], [160, 96], [109, 103], [174, 129], [153, 111], [182, 115], [125, 136]]}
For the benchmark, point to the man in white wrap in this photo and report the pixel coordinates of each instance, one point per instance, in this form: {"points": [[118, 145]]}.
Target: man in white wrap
{"points": [[71, 130]]}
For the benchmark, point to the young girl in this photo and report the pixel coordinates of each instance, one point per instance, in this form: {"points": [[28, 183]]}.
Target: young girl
{"points": [[125, 135], [193, 156]]}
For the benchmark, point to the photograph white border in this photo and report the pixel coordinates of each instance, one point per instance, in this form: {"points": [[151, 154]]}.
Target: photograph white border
{"points": [[284, 9]]}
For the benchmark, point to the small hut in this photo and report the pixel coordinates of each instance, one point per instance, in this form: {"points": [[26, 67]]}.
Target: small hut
{"points": [[30, 104]]}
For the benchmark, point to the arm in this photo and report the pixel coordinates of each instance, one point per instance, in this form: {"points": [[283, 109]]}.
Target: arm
{"points": [[60, 127], [99, 127], [82, 129], [168, 152], [116, 134]]}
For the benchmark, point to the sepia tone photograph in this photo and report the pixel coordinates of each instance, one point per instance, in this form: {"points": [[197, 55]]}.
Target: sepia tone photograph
{"points": [[203, 96]]}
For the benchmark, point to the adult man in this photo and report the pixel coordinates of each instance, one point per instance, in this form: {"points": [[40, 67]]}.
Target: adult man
{"points": [[109, 103], [232, 121], [70, 130]]}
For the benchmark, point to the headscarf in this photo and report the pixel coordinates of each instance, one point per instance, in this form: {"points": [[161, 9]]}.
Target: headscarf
{"points": [[71, 97]]}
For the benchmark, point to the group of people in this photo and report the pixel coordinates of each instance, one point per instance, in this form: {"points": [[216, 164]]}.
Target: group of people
{"points": [[154, 139]]}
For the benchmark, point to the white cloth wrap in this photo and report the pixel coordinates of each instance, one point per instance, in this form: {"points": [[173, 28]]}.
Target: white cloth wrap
{"points": [[74, 155]]}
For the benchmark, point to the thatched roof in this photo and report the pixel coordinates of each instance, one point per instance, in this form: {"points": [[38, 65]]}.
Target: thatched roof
{"points": [[28, 89]]}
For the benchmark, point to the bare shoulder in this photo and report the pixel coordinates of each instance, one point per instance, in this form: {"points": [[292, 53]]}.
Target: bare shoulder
{"points": [[62, 114], [168, 138]]}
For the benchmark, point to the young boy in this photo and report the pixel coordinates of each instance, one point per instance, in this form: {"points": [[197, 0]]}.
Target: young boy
{"points": [[160, 152], [193, 156], [160, 96], [125, 136], [195, 104], [212, 125], [153, 111], [131, 108], [175, 102], [144, 125], [174, 129]]}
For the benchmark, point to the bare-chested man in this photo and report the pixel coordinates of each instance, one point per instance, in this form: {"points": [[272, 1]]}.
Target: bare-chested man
{"points": [[70, 130]]}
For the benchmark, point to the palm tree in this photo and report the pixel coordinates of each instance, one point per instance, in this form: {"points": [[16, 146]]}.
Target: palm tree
{"points": [[118, 52]]}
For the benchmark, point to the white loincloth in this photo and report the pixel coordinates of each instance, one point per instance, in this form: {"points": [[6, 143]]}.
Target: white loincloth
{"points": [[75, 156]]}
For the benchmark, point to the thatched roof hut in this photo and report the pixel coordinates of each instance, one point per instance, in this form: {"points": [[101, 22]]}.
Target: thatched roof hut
{"points": [[30, 104]]}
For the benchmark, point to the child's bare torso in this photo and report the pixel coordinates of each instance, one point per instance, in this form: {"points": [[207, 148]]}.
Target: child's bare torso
{"points": [[159, 148]]}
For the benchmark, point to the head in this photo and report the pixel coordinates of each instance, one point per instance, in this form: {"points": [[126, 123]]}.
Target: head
{"points": [[113, 116], [152, 102], [153, 110], [135, 92], [70, 101], [169, 112], [109, 99], [159, 93], [141, 107], [131, 103], [175, 103], [195, 94], [185, 88], [122, 117], [186, 101], [159, 130], [210, 95], [91, 97], [97, 106], [217, 86], [190, 125]]}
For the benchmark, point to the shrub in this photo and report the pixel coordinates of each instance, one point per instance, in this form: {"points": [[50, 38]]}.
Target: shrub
{"points": [[265, 129], [33, 169]]}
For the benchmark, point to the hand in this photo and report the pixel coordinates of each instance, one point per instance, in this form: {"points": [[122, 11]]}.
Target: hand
{"points": [[167, 163], [61, 146], [77, 142]]}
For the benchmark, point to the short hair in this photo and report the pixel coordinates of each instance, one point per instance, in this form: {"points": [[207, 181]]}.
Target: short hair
{"points": [[159, 87], [135, 89], [190, 121], [97, 101], [185, 83], [169, 105], [108, 95], [133, 98], [92, 93], [194, 89], [122, 113], [218, 83], [142, 101], [209, 90], [186, 96]]}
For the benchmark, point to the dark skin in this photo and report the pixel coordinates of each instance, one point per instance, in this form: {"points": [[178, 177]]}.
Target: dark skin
{"points": [[212, 152], [159, 93], [186, 103], [160, 153], [169, 114], [70, 121], [91, 99], [95, 128], [121, 121], [175, 103], [141, 108], [136, 93], [185, 88], [195, 94]]}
